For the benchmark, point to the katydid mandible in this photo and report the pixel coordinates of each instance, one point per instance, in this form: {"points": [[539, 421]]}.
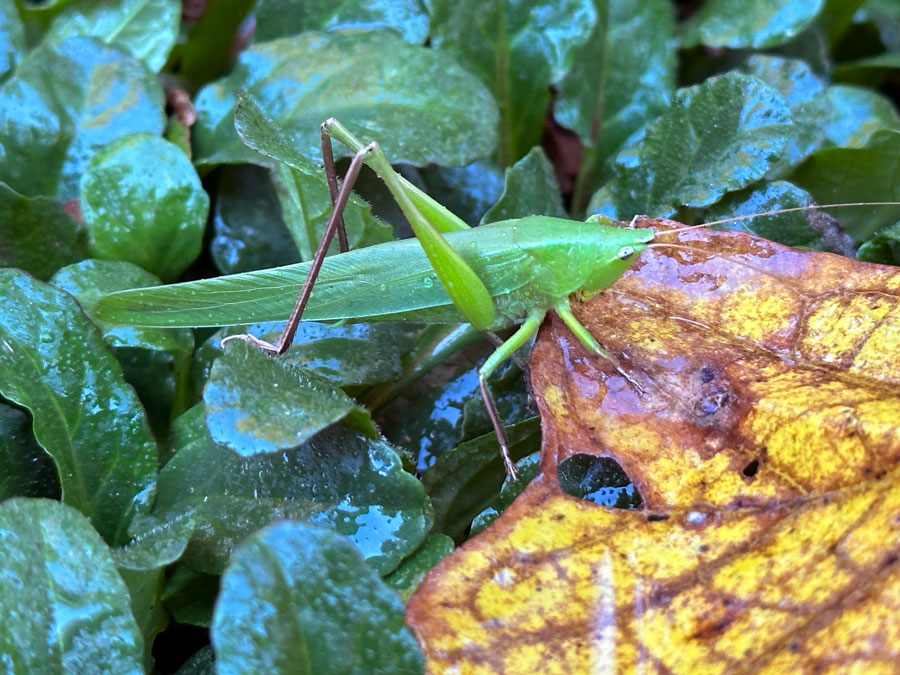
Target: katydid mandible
{"points": [[496, 276]]}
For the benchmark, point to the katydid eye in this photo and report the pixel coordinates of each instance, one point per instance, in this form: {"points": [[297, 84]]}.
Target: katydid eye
{"points": [[626, 252]]}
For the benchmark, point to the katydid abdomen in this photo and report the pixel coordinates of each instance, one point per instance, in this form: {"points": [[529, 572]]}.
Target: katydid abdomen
{"points": [[528, 263]]}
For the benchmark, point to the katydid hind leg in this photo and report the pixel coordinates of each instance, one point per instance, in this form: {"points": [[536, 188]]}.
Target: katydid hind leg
{"points": [[334, 223], [504, 351]]}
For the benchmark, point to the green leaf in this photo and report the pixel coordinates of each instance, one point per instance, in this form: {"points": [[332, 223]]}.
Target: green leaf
{"points": [[190, 596], [530, 189], [66, 608], [822, 116], [298, 599], [257, 404], [209, 49], [857, 114], [36, 235], [338, 479], [145, 28], [754, 24], [838, 175], [805, 94], [406, 578], [154, 542], [871, 70], [884, 247], [302, 187], [430, 110], [64, 103], [54, 362], [155, 360], [718, 136], [792, 229], [249, 230], [604, 98], [517, 49], [464, 481], [281, 18], [142, 202], [529, 467], [348, 354], [12, 37], [25, 469], [203, 662]]}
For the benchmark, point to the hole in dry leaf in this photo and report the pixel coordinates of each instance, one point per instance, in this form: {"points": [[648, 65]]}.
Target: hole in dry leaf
{"points": [[750, 470], [598, 479]]}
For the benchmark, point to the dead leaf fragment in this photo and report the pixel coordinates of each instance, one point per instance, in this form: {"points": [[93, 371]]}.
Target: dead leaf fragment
{"points": [[765, 446]]}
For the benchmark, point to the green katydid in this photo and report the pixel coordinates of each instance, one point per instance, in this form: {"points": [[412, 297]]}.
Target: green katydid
{"points": [[496, 276]]}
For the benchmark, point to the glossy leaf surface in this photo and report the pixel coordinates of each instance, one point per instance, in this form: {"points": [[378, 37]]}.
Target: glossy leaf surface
{"points": [[280, 18], [339, 479], [63, 104], [718, 136], [142, 202], [85, 416], [518, 49], [145, 28], [301, 599], [430, 111], [60, 591]]}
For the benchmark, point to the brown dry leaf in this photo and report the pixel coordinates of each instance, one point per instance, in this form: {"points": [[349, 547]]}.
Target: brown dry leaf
{"points": [[765, 445]]}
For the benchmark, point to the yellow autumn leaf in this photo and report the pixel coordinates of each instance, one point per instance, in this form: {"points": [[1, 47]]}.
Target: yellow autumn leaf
{"points": [[764, 441]]}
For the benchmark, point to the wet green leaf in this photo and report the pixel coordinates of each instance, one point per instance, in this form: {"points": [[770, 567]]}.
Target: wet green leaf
{"points": [[36, 235], [884, 247], [529, 467], [154, 542], [64, 103], [12, 37], [406, 578], [793, 229], [338, 479], [54, 362], [280, 18], [838, 175], [464, 481], [530, 189], [142, 202], [431, 110], [300, 599], [257, 404], [518, 49], [756, 24], [211, 41], [190, 596], [302, 187], [249, 231], [203, 662], [871, 70], [717, 137], [25, 469], [822, 115], [858, 113], [66, 608], [604, 97], [145, 28]]}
